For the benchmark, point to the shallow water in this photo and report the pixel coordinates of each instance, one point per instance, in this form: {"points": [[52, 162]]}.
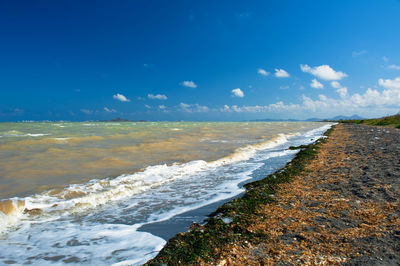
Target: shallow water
{"points": [[78, 192]]}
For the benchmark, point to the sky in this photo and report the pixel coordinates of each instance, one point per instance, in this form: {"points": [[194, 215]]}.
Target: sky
{"points": [[198, 60]]}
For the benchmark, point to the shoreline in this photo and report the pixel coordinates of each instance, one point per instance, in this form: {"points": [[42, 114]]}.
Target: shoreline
{"points": [[215, 218], [179, 223], [285, 217], [182, 222]]}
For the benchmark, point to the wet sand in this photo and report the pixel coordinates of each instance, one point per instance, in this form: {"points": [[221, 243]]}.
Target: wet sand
{"points": [[344, 209]]}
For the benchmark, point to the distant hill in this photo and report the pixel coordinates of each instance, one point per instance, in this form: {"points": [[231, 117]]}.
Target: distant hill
{"points": [[314, 119], [336, 118], [341, 117]]}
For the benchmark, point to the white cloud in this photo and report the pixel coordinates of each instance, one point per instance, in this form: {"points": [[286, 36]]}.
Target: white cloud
{"points": [[238, 93], [109, 110], [121, 98], [281, 73], [262, 72], [193, 108], [324, 72], [390, 83], [395, 67], [162, 107], [226, 108], [370, 99], [342, 92], [147, 106], [336, 84], [87, 112], [184, 105], [157, 96], [371, 102], [384, 58], [359, 53], [316, 84], [189, 84]]}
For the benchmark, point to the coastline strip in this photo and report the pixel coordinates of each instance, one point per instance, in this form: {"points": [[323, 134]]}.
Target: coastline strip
{"points": [[336, 202], [228, 223]]}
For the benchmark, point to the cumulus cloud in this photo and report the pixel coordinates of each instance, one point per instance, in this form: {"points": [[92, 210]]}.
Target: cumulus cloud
{"points": [[342, 92], [237, 93], [162, 107], [157, 96], [390, 83], [189, 84], [336, 84], [109, 110], [316, 84], [121, 98], [323, 72], [370, 99], [370, 102], [395, 67], [226, 108], [262, 72], [281, 73], [193, 108]]}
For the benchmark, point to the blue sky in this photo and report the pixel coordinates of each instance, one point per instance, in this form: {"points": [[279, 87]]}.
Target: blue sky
{"points": [[198, 60]]}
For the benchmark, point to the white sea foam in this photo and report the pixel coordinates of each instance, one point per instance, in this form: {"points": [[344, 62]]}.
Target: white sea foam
{"points": [[36, 135], [11, 212], [15, 133]]}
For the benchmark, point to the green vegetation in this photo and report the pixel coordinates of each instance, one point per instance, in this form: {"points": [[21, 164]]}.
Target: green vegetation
{"points": [[229, 222], [393, 121], [298, 147]]}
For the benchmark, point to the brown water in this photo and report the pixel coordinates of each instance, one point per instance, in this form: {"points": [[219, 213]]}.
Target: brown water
{"points": [[39, 156], [79, 192]]}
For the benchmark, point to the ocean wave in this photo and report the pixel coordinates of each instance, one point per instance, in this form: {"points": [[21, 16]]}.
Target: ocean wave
{"points": [[15, 133], [97, 221], [78, 198]]}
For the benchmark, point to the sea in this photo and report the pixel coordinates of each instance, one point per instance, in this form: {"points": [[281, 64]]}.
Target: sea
{"points": [[82, 192]]}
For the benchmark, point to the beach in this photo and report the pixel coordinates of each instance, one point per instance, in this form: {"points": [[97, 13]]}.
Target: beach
{"points": [[336, 202]]}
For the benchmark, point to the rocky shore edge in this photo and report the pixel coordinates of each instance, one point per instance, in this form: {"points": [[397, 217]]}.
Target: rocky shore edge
{"points": [[336, 202]]}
